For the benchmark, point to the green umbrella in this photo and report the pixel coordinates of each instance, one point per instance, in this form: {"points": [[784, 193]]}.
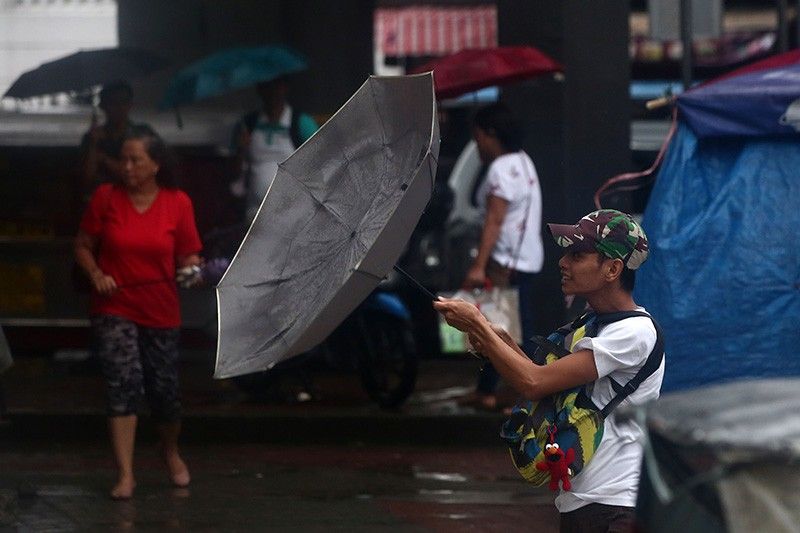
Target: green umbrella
{"points": [[231, 69]]}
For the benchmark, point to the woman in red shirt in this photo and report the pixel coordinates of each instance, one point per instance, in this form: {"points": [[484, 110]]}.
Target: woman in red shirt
{"points": [[132, 238]]}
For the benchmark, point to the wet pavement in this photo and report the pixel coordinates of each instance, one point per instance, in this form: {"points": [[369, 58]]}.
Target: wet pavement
{"points": [[251, 487], [44, 393], [337, 462]]}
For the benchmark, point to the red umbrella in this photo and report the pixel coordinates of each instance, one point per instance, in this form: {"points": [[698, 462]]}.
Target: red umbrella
{"points": [[470, 70]]}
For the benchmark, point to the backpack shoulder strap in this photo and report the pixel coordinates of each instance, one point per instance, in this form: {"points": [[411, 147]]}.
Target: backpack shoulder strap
{"points": [[294, 128], [250, 120], [555, 342], [578, 322], [651, 364]]}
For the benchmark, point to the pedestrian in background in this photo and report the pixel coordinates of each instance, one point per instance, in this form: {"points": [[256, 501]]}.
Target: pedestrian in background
{"points": [[264, 138], [510, 250], [601, 255], [101, 145], [133, 236]]}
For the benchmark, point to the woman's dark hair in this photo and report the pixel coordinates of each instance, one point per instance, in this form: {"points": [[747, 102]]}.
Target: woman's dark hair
{"points": [[497, 120], [158, 152]]}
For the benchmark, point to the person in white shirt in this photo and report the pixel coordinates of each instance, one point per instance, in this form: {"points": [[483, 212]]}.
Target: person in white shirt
{"points": [[510, 251], [601, 255], [263, 139]]}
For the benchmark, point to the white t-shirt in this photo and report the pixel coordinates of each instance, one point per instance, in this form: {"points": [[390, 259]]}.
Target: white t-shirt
{"points": [[513, 178], [612, 476], [270, 144]]}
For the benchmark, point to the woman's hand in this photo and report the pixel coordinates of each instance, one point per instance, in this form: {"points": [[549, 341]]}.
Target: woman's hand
{"points": [[103, 283], [189, 272], [189, 276], [462, 315]]}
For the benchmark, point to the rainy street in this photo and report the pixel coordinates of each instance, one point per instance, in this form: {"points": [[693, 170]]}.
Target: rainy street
{"points": [[337, 462], [248, 487], [399, 265]]}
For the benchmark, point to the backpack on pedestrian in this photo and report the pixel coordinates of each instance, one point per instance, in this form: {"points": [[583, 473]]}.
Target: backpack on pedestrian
{"points": [[568, 419], [251, 119]]}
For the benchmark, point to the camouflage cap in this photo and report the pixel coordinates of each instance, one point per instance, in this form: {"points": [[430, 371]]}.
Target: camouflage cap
{"points": [[612, 233]]}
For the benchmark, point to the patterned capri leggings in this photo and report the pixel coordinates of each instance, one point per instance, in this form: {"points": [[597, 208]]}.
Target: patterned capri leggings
{"points": [[138, 362]]}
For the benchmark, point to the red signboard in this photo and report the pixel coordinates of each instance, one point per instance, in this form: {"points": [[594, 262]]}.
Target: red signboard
{"points": [[434, 31]]}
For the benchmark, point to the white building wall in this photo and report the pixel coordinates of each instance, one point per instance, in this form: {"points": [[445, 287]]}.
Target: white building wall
{"points": [[33, 32]]}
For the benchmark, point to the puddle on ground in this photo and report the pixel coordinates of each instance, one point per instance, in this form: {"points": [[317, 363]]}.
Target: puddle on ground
{"points": [[453, 477], [440, 395], [475, 497], [60, 491]]}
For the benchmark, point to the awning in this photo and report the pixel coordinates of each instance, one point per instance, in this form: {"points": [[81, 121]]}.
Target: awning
{"points": [[434, 31]]}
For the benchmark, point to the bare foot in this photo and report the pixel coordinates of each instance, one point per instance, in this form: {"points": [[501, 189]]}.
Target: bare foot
{"points": [[178, 471], [123, 490]]}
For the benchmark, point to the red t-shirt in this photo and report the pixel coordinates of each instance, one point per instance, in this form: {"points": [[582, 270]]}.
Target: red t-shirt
{"points": [[139, 250]]}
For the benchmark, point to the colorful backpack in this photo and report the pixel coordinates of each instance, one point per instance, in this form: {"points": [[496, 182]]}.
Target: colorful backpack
{"points": [[568, 419]]}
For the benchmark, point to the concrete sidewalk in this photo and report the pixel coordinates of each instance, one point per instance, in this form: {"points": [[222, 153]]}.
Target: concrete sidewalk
{"points": [[47, 398]]}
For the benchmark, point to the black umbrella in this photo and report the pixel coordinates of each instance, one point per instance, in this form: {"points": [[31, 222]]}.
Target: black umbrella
{"points": [[85, 69]]}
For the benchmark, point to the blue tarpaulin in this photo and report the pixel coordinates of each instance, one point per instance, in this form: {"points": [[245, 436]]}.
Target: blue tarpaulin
{"points": [[723, 222]]}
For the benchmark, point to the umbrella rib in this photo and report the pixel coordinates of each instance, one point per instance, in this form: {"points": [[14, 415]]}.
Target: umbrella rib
{"points": [[319, 202], [378, 114], [369, 274], [278, 337], [328, 209]]}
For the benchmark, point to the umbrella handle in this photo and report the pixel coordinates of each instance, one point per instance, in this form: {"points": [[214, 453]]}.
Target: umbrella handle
{"points": [[416, 283]]}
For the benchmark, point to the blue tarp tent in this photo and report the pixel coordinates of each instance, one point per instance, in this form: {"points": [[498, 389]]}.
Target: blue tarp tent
{"points": [[723, 221]]}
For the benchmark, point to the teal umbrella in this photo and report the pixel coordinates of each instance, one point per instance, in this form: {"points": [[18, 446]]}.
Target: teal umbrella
{"points": [[231, 69]]}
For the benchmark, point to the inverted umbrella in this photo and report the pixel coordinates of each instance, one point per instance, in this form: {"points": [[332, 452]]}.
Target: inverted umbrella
{"points": [[85, 69], [331, 226], [231, 69], [470, 70]]}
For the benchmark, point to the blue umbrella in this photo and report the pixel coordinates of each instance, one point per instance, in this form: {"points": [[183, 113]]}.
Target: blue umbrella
{"points": [[757, 100], [231, 69]]}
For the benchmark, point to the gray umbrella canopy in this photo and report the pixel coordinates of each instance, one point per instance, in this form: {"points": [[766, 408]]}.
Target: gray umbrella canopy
{"points": [[333, 223]]}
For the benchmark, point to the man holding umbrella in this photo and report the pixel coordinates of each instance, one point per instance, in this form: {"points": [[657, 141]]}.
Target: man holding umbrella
{"points": [[101, 145], [601, 254], [263, 139]]}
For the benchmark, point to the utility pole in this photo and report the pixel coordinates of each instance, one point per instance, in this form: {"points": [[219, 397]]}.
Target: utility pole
{"points": [[783, 26], [686, 42], [797, 25]]}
